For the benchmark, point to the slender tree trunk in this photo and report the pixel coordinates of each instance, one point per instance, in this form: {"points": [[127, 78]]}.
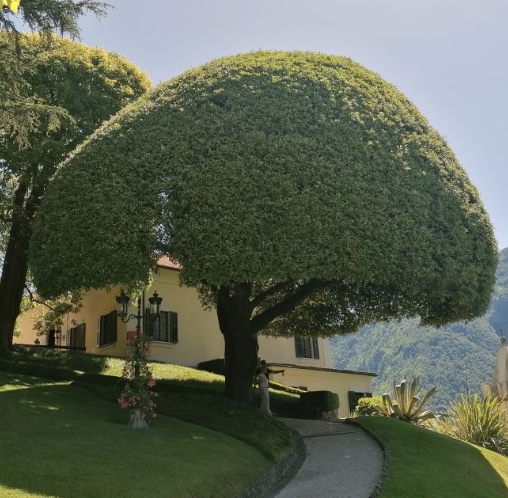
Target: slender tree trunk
{"points": [[240, 345], [15, 268]]}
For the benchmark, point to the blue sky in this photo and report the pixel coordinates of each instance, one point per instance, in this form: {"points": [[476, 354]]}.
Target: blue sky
{"points": [[448, 57]]}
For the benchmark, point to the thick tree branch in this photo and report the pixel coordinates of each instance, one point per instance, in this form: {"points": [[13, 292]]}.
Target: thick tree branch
{"points": [[258, 300], [286, 305]]}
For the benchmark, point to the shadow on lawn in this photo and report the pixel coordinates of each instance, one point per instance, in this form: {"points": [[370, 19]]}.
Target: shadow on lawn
{"points": [[58, 359], [61, 441], [51, 432]]}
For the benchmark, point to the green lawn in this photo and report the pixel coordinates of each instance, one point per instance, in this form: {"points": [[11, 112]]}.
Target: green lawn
{"points": [[187, 394], [57, 440], [65, 440], [424, 464]]}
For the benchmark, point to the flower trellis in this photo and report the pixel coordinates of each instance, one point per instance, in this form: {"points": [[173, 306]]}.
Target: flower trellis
{"points": [[138, 393]]}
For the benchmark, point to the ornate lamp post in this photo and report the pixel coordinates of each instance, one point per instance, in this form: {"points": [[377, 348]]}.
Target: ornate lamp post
{"points": [[137, 392], [123, 305]]}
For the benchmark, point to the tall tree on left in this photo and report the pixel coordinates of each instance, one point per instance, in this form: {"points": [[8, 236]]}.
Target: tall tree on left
{"points": [[22, 114], [88, 85]]}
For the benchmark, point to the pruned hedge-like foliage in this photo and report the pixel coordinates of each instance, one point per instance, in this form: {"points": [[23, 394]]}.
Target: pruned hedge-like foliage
{"points": [[315, 403], [215, 366], [275, 167]]}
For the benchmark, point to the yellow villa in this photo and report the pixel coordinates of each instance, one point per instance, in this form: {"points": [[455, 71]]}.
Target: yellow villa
{"points": [[186, 334]]}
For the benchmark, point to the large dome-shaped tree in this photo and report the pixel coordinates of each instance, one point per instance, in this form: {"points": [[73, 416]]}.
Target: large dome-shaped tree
{"points": [[301, 193]]}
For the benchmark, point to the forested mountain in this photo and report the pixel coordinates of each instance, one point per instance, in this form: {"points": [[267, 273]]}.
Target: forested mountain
{"points": [[456, 358]]}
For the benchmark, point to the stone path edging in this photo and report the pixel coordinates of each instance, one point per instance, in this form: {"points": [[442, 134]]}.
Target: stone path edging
{"points": [[275, 478], [365, 460]]}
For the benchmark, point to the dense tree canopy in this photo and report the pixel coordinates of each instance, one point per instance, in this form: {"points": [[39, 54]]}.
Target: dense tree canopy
{"points": [[22, 114], [301, 193], [89, 85]]}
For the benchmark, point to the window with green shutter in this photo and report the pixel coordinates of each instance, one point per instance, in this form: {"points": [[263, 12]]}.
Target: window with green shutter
{"points": [[163, 328], [107, 329], [173, 327], [307, 347], [76, 337]]}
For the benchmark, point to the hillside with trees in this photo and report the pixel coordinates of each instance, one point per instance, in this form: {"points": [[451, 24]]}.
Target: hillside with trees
{"points": [[456, 358]]}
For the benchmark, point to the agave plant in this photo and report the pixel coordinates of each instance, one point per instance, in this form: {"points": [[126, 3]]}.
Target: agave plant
{"points": [[478, 420], [407, 404]]}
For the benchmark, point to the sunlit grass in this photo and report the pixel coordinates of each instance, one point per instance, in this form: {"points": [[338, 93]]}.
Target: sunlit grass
{"points": [[197, 398], [167, 371], [423, 464]]}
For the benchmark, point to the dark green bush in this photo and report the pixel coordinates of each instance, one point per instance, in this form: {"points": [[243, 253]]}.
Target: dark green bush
{"points": [[215, 366], [315, 403], [286, 389], [36, 370], [59, 358]]}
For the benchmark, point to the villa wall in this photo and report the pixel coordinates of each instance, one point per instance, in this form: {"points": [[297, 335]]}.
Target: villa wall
{"points": [[199, 337], [315, 379]]}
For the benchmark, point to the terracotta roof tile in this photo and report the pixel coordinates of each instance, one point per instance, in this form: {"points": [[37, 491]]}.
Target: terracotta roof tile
{"points": [[166, 262]]}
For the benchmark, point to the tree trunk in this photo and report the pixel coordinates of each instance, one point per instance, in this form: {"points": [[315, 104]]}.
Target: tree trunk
{"points": [[12, 282], [240, 345], [15, 268]]}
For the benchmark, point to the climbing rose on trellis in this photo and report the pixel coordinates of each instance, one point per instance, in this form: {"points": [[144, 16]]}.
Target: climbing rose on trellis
{"points": [[138, 391]]}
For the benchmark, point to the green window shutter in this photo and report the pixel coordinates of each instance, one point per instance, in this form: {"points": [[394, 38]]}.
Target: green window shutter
{"points": [[77, 336], [102, 328], [148, 324], [315, 348], [173, 327], [108, 328]]}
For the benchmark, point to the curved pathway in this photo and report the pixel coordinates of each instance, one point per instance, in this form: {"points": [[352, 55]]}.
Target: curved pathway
{"points": [[342, 461]]}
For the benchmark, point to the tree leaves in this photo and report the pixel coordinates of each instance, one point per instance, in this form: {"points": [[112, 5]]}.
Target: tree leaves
{"points": [[281, 167]]}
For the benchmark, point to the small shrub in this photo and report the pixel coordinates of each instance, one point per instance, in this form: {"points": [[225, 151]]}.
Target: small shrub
{"points": [[407, 404], [367, 406], [58, 358], [286, 389], [477, 420], [215, 366], [315, 403]]}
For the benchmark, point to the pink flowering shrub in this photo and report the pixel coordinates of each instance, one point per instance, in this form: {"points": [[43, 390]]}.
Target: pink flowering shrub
{"points": [[138, 391]]}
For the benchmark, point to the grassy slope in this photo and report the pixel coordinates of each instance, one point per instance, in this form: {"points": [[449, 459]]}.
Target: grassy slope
{"points": [[423, 464], [57, 440]]}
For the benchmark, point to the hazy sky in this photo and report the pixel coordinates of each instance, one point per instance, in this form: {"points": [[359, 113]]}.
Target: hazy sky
{"points": [[448, 56]]}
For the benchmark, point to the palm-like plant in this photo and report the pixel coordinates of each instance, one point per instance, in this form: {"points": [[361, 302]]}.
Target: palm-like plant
{"points": [[407, 404], [477, 420]]}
